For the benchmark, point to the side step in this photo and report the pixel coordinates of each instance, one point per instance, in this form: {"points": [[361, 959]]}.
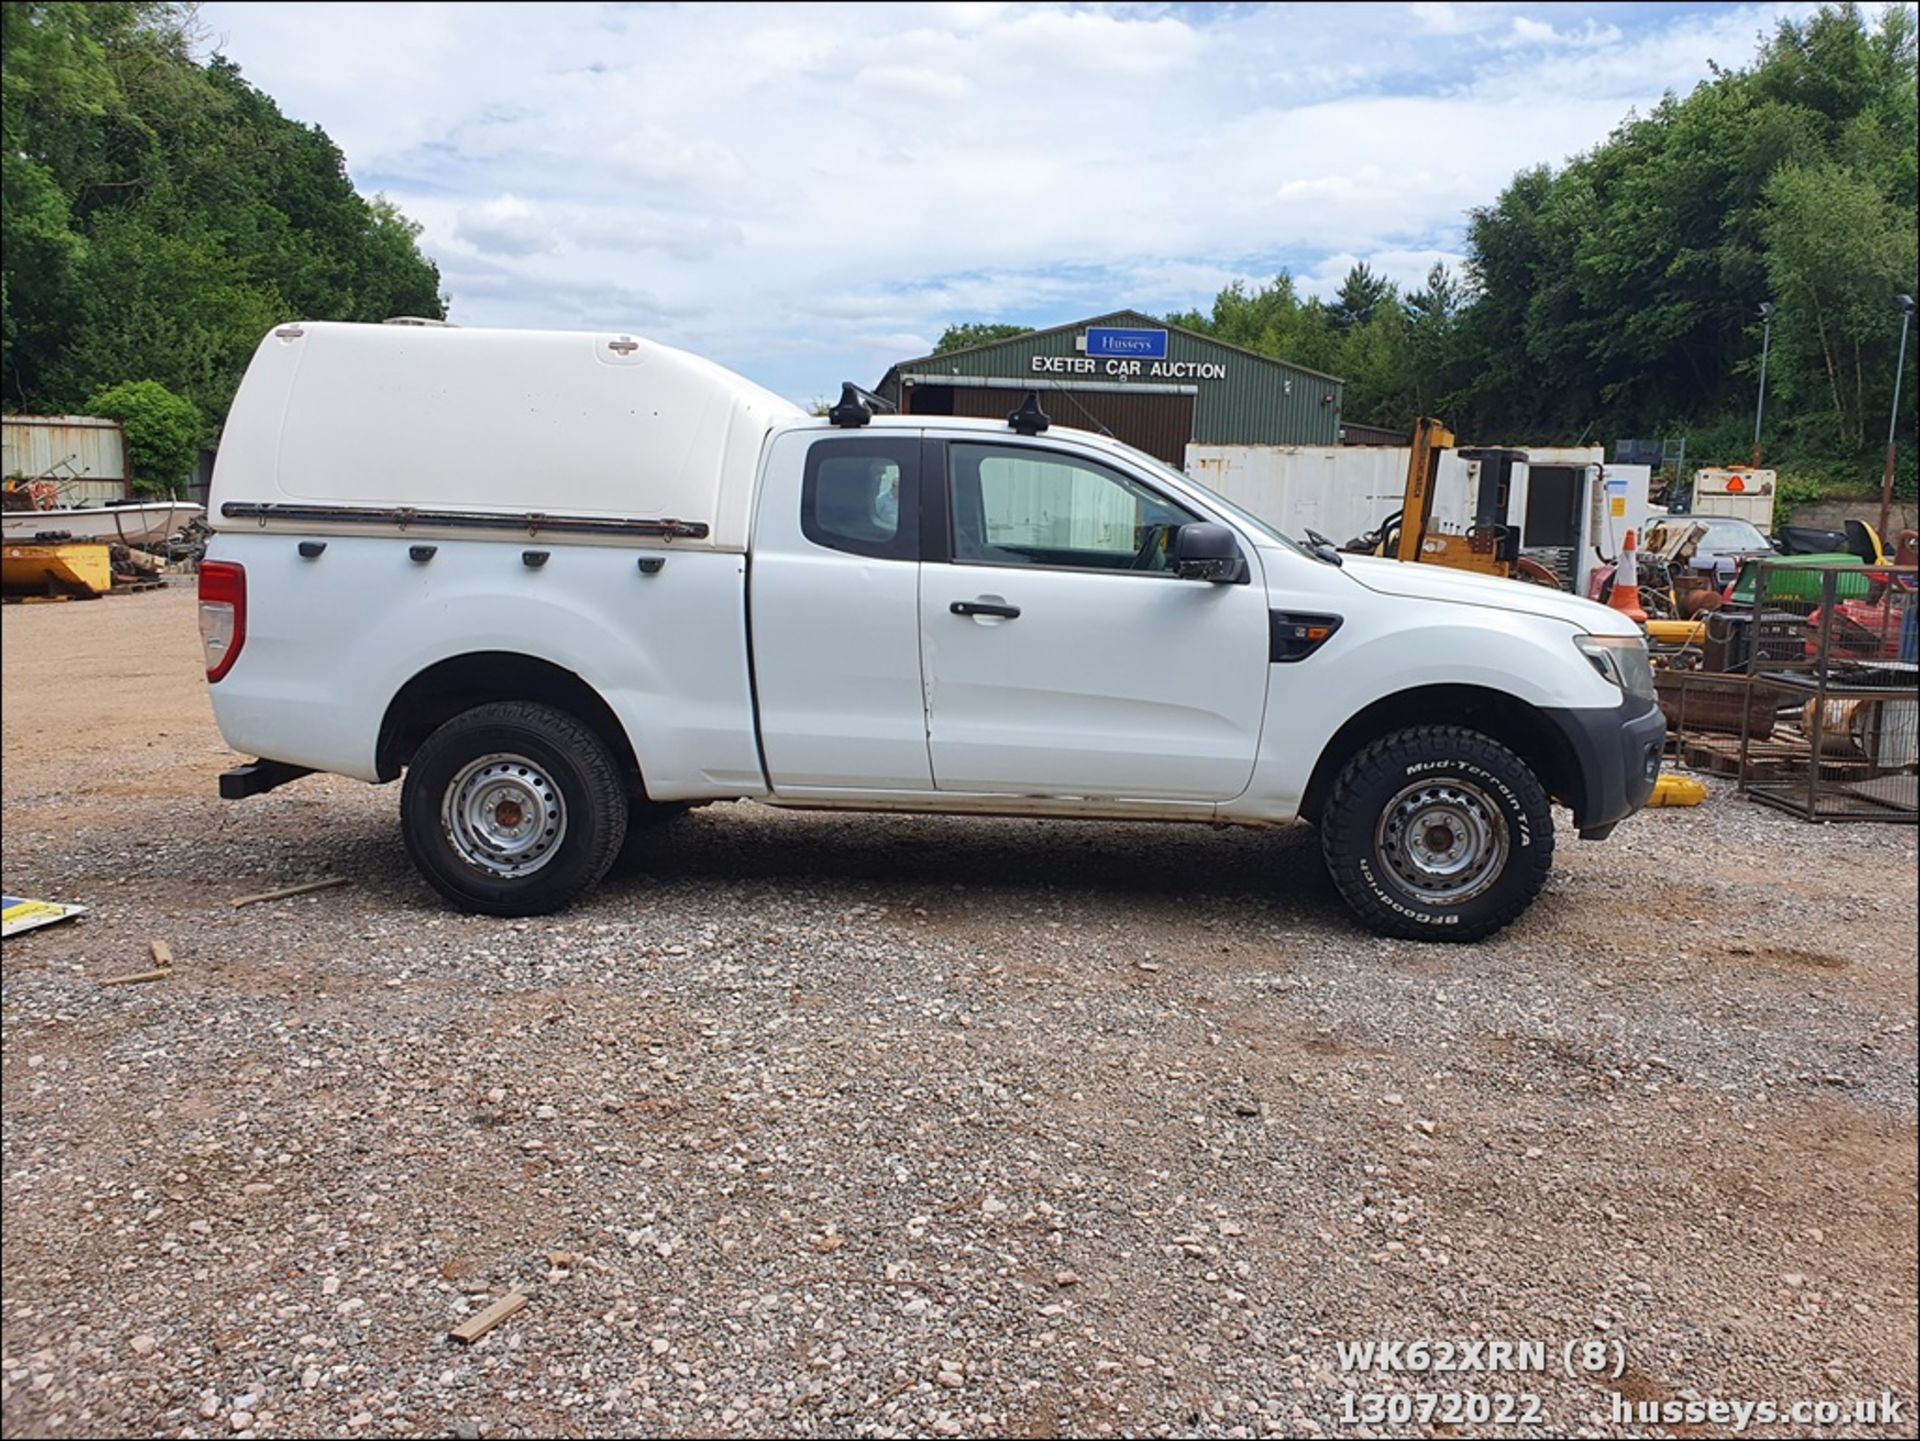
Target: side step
{"points": [[258, 778]]}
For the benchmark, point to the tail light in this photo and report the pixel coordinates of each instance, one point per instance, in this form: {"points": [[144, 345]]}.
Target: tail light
{"points": [[223, 614]]}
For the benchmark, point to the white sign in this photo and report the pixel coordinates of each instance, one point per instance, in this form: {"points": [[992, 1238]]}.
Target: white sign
{"points": [[1129, 369]]}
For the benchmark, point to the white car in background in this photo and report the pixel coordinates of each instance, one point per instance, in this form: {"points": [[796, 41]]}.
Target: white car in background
{"points": [[1728, 541]]}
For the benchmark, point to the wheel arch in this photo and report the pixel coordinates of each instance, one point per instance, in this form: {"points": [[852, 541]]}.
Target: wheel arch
{"points": [[1520, 727], [459, 683]]}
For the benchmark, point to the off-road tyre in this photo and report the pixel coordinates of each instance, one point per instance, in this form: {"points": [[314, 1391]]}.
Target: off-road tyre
{"points": [[1437, 780]]}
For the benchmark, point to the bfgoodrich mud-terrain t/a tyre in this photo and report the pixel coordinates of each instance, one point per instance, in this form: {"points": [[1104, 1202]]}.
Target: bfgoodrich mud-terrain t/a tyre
{"points": [[1437, 833], [513, 809]]}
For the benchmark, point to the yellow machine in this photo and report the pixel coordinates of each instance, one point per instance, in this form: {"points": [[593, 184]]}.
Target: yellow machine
{"points": [[1489, 546], [1478, 549], [67, 568], [1676, 632], [1673, 790]]}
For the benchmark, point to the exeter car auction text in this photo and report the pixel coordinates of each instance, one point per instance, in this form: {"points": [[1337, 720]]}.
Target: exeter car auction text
{"points": [[1152, 370]]}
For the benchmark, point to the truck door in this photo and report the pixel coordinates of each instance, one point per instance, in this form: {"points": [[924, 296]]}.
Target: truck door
{"points": [[1063, 655], [833, 599]]}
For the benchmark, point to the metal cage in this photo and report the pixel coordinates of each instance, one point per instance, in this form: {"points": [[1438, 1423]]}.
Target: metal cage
{"points": [[1834, 647]]}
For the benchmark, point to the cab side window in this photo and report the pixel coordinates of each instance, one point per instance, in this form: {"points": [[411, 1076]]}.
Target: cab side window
{"points": [[861, 495], [1022, 505]]}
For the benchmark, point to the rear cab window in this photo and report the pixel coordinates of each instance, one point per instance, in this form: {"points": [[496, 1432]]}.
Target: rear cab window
{"points": [[861, 495]]}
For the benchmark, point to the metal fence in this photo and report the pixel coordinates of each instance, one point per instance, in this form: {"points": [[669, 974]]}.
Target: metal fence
{"points": [[83, 458], [1832, 731]]}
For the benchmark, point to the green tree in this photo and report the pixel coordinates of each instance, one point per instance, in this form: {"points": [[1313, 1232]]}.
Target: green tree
{"points": [[979, 332], [1433, 319], [164, 432], [1618, 295], [161, 214], [1836, 255], [51, 70], [1382, 387], [1272, 320], [1361, 294]]}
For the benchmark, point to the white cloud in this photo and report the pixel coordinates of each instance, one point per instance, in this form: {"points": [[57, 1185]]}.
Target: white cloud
{"points": [[1528, 31], [651, 155], [619, 230], [917, 82], [1405, 268], [504, 226], [791, 189], [1441, 19]]}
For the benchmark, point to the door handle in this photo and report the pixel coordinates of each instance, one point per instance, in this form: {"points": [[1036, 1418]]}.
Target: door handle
{"points": [[984, 607]]}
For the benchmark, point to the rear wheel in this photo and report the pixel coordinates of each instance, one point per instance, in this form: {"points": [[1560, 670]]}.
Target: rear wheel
{"points": [[513, 809], [1437, 833]]}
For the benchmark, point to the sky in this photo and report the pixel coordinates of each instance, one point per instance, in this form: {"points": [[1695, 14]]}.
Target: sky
{"points": [[808, 194]]}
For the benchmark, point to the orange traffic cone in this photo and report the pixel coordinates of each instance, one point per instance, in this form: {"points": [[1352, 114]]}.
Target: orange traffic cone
{"points": [[1625, 597]]}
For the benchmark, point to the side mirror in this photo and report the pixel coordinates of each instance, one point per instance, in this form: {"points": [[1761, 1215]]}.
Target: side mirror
{"points": [[1205, 551]]}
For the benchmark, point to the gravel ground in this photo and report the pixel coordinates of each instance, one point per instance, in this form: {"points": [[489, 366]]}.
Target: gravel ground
{"points": [[883, 1126]]}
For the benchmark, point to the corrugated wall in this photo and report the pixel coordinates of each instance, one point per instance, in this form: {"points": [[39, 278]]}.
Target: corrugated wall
{"points": [[84, 456], [1256, 401], [1263, 402]]}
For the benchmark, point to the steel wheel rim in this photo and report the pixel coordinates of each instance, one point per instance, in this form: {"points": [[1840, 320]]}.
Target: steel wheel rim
{"points": [[1443, 841], [504, 815]]}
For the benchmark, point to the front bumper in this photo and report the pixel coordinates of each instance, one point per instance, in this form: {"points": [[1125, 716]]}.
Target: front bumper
{"points": [[1616, 759]]}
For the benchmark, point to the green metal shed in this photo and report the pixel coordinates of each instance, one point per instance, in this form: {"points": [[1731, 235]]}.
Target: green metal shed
{"points": [[1148, 383]]}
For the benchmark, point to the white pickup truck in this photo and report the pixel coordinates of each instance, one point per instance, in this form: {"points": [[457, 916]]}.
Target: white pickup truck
{"points": [[568, 585]]}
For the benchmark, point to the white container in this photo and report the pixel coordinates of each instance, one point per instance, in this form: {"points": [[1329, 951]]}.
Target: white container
{"points": [[1741, 492], [1343, 491]]}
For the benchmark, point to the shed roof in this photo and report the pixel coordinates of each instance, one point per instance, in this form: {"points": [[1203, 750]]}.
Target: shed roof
{"points": [[1137, 318]]}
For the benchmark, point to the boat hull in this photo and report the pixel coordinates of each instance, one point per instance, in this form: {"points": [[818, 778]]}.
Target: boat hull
{"points": [[124, 524]]}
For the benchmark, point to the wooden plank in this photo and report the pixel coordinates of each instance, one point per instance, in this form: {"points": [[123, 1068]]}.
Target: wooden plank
{"points": [[161, 952], [138, 976], [474, 1327], [300, 890]]}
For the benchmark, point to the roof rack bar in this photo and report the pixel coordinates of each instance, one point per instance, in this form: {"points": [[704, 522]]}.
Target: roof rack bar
{"points": [[857, 406], [1029, 419], [405, 517]]}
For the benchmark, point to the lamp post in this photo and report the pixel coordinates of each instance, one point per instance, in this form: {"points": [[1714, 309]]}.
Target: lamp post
{"points": [[1905, 304], [1766, 344]]}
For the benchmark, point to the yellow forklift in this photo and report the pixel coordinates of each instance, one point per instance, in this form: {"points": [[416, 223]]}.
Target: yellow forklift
{"points": [[1489, 546]]}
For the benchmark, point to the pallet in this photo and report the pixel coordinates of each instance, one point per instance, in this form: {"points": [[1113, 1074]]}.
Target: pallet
{"points": [[1720, 754], [40, 599], [134, 587], [1766, 760]]}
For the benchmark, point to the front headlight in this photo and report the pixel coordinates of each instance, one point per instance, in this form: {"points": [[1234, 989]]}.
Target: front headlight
{"points": [[1622, 659]]}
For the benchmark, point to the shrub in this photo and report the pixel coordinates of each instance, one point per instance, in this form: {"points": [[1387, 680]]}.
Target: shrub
{"points": [[1794, 490], [163, 433]]}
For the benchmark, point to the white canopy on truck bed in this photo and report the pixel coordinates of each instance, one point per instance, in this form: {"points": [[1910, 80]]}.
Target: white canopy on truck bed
{"points": [[336, 420]]}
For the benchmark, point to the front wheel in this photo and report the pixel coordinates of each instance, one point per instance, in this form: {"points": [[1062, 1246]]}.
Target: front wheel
{"points": [[513, 809], [1437, 833]]}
